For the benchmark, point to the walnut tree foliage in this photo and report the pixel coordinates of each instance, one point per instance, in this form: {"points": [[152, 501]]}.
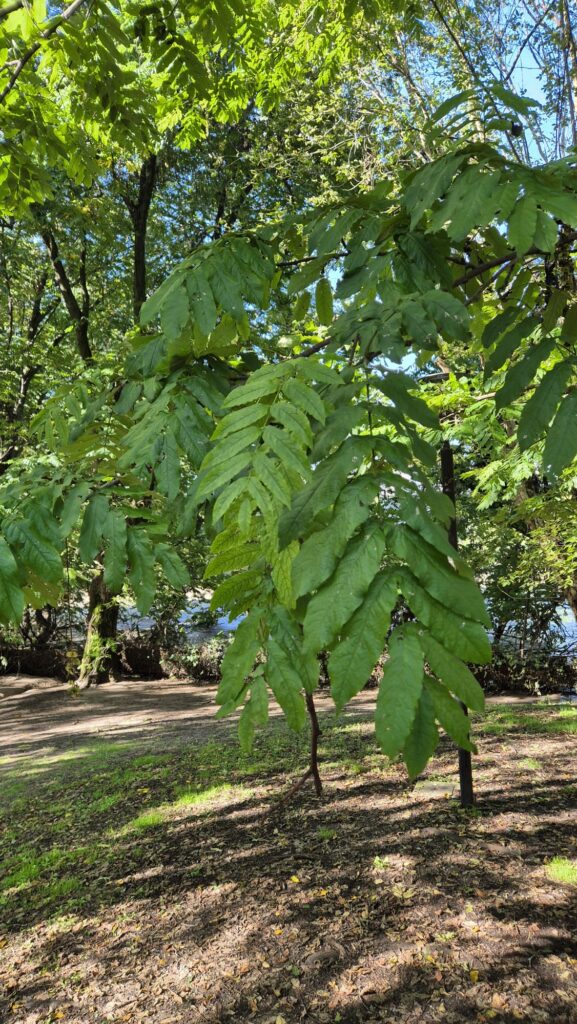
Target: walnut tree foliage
{"points": [[310, 456]]}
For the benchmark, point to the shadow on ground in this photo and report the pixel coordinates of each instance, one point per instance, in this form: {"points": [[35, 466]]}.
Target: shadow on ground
{"points": [[155, 887]]}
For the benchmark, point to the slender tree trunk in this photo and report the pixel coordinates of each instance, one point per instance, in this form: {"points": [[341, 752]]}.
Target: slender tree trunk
{"points": [[448, 485], [79, 312], [315, 733], [313, 768], [100, 660], [139, 209]]}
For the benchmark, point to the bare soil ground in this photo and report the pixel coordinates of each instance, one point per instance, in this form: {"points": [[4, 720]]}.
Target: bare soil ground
{"points": [[145, 881]]}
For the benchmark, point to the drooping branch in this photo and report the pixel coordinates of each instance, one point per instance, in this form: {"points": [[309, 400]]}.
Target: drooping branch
{"points": [[30, 53]]}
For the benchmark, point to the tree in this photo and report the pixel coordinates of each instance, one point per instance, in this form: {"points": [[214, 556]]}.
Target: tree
{"points": [[309, 454]]}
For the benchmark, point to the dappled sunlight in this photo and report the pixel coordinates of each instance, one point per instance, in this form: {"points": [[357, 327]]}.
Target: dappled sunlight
{"points": [[383, 897]]}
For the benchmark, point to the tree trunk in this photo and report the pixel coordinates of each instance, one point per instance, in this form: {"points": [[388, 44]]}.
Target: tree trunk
{"points": [[100, 660], [448, 485], [139, 210], [571, 598]]}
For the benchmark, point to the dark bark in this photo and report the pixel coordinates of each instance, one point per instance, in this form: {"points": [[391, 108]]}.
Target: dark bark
{"points": [[79, 312], [139, 209], [467, 793], [313, 768], [315, 733], [12, 412]]}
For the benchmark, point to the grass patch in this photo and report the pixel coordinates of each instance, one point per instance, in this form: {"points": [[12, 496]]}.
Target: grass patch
{"points": [[545, 721], [195, 797], [562, 870], [148, 819]]}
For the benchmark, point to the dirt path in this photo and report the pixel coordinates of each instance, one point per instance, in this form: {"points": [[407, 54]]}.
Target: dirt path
{"points": [[38, 717], [146, 881]]}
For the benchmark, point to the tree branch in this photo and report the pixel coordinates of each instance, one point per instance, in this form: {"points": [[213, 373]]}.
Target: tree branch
{"points": [[27, 56]]}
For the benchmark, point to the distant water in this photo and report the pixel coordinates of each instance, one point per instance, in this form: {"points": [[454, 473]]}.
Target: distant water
{"points": [[129, 619]]}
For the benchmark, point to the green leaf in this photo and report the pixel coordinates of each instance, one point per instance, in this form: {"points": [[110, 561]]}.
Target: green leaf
{"points": [[141, 575], [285, 683], [11, 596], [546, 229], [332, 606], [338, 426], [115, 551], [172, 566], [437, 576], [522, 373], [400, 690], [452, 103], [290, 455], [32, 548], [305, 398], [261, 384], [453, 673], [167, 466], [202, 300], [561, 440], [396, 386], [320, 553], [423, 738], [523, 224], [295, 421], [538, 412], [92, 529], [509, 343], [569, 328], [554, 309], [326, 483], [272, 478], [235, 594], [222, 473], [240, 657], [282, 574], [174, 314], [71, 507], [301, 306], [498, 325], [466, 639], [241, 418], [362, 641], [254, 713], [450, 714], [429, 183], [306, 275], [324, 301]]}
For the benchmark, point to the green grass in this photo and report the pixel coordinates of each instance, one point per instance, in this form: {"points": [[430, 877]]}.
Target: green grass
{"points": [[562, 870], [547, 721], [194, 798], [148, 819], [326, 834]]}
